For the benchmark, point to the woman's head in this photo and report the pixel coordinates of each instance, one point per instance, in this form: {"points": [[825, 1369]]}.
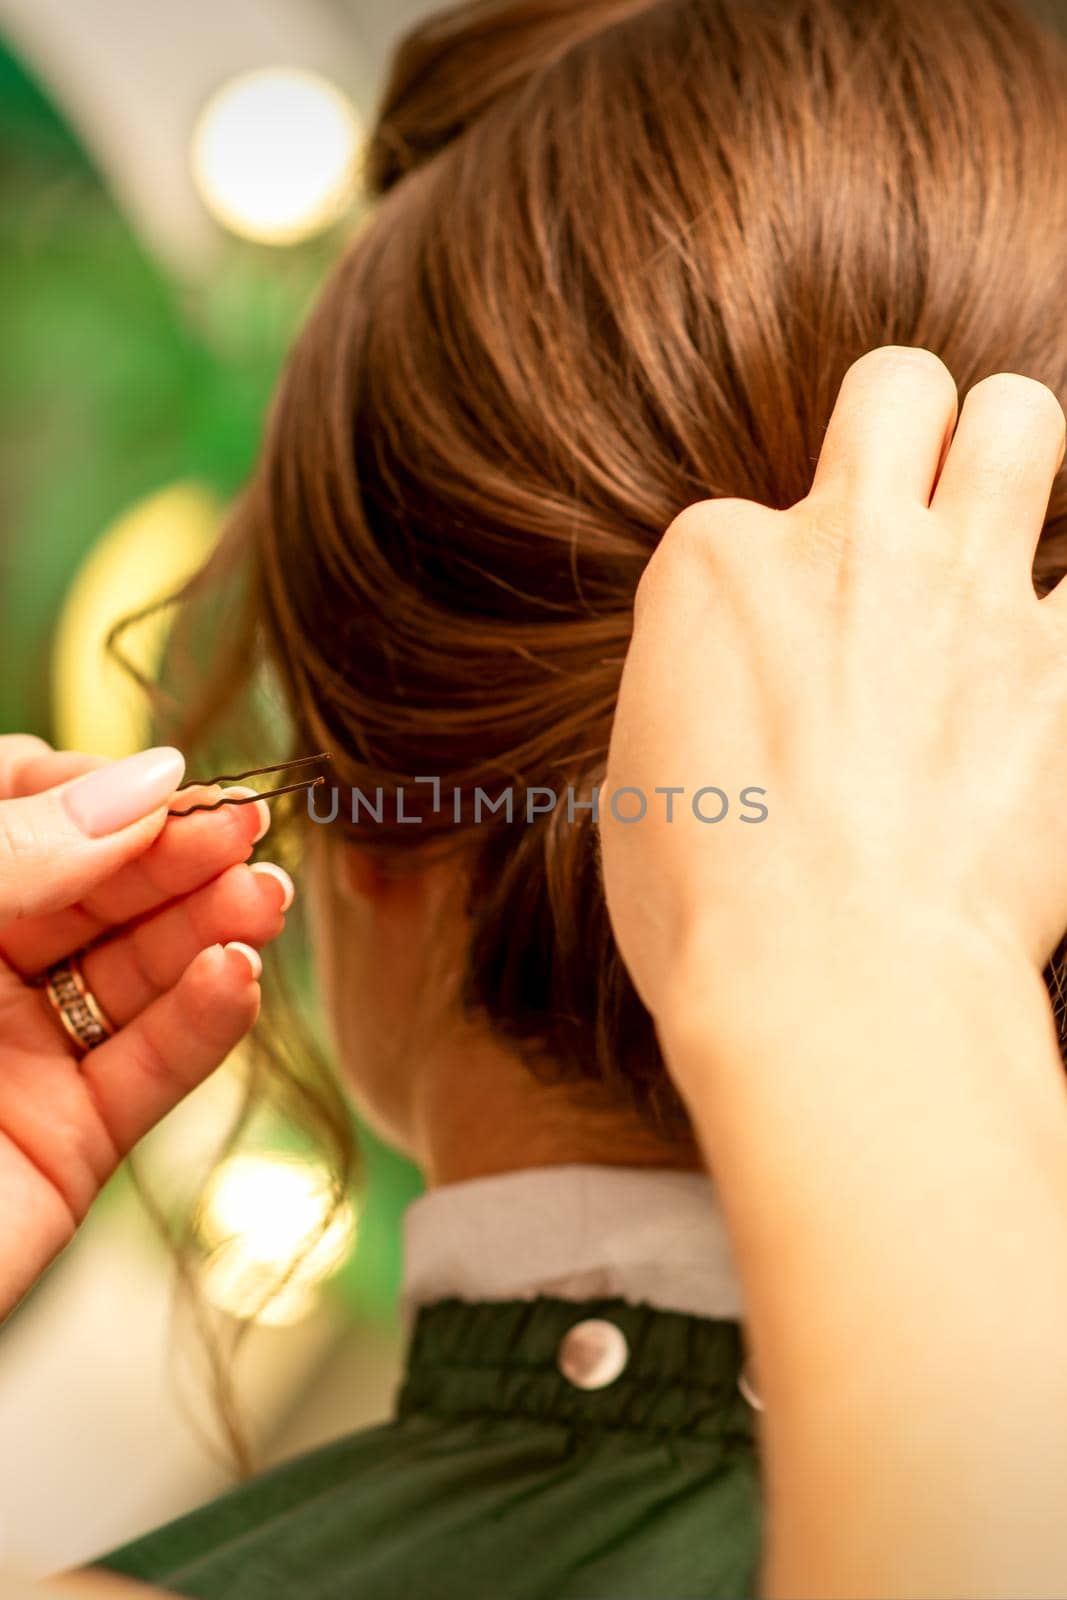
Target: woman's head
{"points": [[623, 254]]}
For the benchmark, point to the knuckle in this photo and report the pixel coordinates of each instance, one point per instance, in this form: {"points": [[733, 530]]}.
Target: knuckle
{"points": [[704, 527], [151, 1062], [249, 906], [1020, 425], [211, 907], [251, 903], [891, 362], [230, 826], [703, 534], [1020, 404], [147, 971], [688, 526], [204, 1021]]}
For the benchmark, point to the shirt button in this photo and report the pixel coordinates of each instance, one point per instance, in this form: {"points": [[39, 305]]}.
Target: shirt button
{"points": [[592, 1354]]}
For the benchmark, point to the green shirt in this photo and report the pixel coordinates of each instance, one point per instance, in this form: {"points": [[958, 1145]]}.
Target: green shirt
{"points": [[500, 1478]]}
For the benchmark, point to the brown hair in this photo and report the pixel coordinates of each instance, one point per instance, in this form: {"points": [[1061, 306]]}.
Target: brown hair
{"points": [[623, 254]]}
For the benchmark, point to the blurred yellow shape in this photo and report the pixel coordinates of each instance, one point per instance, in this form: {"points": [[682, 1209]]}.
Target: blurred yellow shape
{"points": [[147, 554]]}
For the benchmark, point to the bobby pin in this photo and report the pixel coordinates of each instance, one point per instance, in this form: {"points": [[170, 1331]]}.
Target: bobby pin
{"points": [[252, 772]]}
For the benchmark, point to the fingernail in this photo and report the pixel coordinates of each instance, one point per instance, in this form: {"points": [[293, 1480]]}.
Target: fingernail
{"points": [[124, 791], [250, 954], [261, 809], [269, 870]]}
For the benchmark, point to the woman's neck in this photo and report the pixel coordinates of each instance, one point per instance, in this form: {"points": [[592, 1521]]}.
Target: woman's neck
{"points": [[479, 1111]]}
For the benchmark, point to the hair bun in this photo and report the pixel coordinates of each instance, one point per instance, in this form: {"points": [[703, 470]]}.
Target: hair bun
{"points": [[448, 70]]}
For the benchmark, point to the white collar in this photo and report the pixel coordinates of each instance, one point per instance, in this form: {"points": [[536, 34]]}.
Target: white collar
{"points": [[575, 1232]]}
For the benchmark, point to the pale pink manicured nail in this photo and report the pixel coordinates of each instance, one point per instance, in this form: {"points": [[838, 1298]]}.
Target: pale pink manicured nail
{"points": [[250, 954], [122, 792], [262, 809], [269, 870]]}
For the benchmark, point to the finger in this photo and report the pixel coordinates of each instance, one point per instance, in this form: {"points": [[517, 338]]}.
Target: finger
{"points": [[137, 965], [54, 846], [28, 765], [147, 1068], [888, 431], [998, 473], [16, 750], [186, 855]]}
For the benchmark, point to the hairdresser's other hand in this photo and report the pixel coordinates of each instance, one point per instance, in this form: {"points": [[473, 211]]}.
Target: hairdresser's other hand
{"points": [[849, 994], [90, 865], [875, 659]]}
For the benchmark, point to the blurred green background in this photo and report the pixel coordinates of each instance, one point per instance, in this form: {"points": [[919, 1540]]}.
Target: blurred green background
{"points": [[132, 393]]}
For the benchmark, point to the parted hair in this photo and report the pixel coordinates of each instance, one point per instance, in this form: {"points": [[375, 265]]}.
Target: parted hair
{"points": [[620, 257]]}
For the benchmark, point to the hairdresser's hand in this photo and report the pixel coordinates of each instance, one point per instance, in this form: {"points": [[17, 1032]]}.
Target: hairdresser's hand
{"points": [[849, 993], [876, 660], [89, 864]]}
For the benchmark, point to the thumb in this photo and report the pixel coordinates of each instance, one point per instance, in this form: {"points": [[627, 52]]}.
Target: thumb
{"points": [[55, 846]]}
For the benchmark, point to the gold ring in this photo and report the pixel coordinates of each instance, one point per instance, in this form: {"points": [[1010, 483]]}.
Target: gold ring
{"points": [[74, 1003]]}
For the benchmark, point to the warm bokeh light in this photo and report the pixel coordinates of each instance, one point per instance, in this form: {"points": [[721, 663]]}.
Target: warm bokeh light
{"points": [[262, 1215], [274, 154], [146, 555]]}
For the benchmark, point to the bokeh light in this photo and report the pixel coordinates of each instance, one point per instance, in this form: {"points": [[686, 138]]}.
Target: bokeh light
{"points": [[146, 555], [272, 1230], [274, 155]]}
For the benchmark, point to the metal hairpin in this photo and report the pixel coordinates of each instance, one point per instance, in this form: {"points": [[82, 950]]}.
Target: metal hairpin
{"points": [[253, 772]]}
